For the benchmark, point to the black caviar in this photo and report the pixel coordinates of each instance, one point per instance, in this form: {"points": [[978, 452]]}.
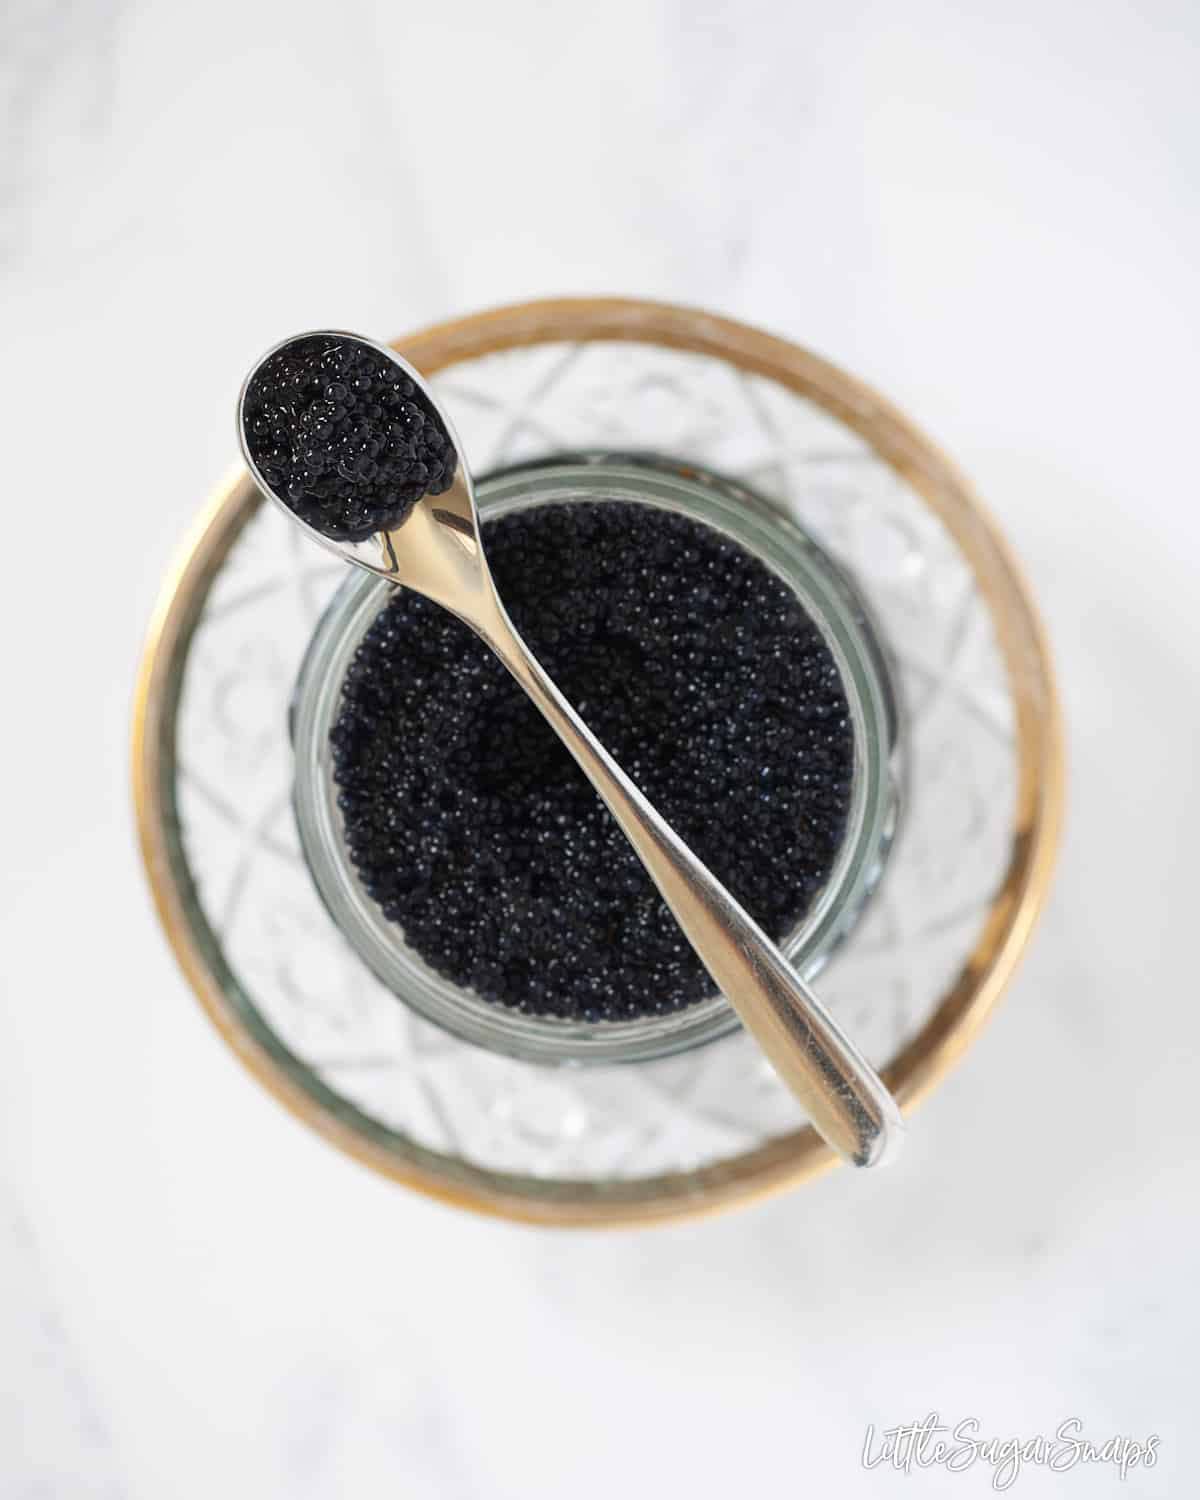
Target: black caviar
{"points": [[344, 436], [472, 827]]}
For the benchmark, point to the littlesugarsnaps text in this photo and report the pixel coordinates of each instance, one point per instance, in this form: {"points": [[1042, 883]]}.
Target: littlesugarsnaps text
{"points": [[932, 1442]]}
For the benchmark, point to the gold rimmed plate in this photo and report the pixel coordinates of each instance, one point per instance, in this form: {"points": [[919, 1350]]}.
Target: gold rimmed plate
{"points": [[653, 1141]]}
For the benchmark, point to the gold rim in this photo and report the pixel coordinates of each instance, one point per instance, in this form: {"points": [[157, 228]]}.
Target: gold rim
{"points": [[791, 1159]]}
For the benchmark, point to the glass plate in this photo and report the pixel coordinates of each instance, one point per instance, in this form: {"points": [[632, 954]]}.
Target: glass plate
{"points": [[628, 1142]]}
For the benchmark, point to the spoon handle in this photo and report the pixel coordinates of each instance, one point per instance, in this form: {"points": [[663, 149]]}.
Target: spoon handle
{"points": [[842, 1094]]}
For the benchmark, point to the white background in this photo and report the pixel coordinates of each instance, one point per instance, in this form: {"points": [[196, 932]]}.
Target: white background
{"points": [[990, 211]]}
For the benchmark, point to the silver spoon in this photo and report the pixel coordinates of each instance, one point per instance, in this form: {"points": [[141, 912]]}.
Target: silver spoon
{"points": [[437, 550]]}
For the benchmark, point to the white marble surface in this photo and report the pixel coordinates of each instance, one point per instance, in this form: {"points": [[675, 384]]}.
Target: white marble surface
{"points": [[990, 211]]}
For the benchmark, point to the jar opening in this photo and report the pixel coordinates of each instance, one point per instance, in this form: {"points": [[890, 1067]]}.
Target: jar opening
{"points": [[830, 601]]}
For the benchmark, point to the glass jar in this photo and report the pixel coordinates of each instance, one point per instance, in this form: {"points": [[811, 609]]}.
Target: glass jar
{"points": [[831, 600]]}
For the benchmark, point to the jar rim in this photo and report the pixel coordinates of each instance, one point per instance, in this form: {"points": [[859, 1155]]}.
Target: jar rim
{"points": [[835, 606]]}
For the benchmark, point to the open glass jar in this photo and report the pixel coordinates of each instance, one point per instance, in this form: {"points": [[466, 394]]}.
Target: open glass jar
{"points": [[831, 600]]}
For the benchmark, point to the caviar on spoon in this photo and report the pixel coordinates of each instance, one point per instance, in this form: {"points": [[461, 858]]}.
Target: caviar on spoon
{"points": [[347, 438]]}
